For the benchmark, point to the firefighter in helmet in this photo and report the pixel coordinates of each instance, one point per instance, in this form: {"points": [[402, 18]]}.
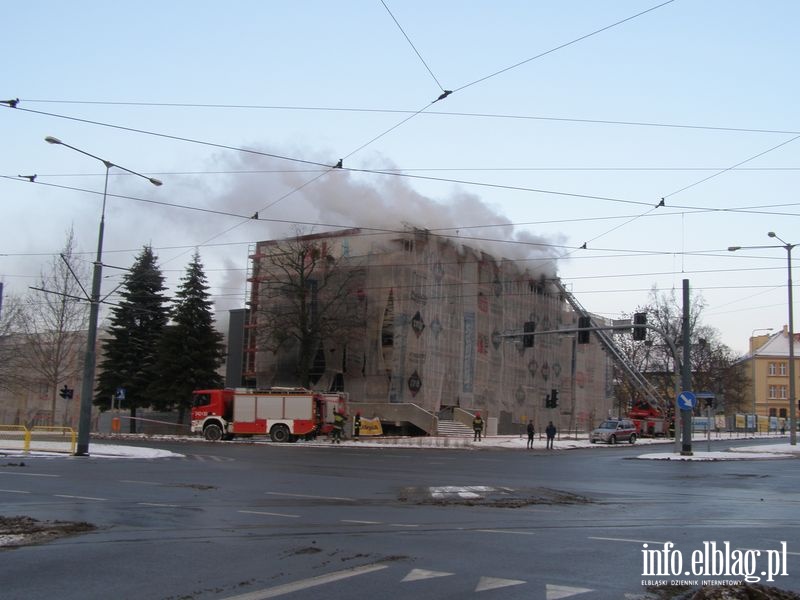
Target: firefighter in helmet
{"points": [[338, 426], [477, 427]]}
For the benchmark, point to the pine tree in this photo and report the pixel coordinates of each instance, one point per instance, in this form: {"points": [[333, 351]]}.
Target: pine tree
{"points": [[191, 350], [137, 324]]}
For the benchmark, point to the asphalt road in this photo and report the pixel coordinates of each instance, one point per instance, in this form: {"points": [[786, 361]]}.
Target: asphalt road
{"points": [[245, 522]]}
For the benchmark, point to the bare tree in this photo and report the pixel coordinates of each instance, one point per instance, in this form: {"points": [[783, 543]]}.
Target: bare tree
{"points": [[54, 320], [712, 362], [12, 376], [306, 295]]}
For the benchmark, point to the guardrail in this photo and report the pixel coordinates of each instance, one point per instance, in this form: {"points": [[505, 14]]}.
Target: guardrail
{"points": [[41, 438]]}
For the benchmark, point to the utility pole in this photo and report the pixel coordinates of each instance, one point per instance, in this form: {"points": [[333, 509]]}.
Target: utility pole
{"points": [[686, 373]]}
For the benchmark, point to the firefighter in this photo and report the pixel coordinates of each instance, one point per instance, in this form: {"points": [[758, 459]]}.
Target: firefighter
{"points": [[356, 425], [338, 426], [477, 427]]}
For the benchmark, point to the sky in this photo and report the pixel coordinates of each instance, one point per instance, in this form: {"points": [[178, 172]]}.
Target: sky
{"points": [[567, 124]]}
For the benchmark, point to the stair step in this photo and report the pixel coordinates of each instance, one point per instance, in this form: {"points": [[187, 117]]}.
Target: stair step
{"points": [[453, 428]]}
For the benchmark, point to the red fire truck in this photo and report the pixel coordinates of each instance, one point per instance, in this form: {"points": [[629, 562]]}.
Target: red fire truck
{"points": [[285, 414], [649, 420]]}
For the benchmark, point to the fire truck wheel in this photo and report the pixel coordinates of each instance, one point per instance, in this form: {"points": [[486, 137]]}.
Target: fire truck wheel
{"points": [[279, 433], [213, 432], [633, 438]]}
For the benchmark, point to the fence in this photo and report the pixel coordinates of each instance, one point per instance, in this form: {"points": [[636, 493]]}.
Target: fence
{"points": [[39, 438]]}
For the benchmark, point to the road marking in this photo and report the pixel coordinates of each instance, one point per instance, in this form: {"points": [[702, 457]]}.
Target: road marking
{"points": [[403, 525], [418, 574], [556, 592], [28, 474], [360, 522], [493, 583], [608, 539], [310, 496], [271, 514], [80, 497], [305, 584], [15, 491], [157, 504], [506, 531], [140, 482]]}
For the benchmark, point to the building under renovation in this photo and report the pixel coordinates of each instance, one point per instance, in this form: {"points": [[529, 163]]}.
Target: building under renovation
{"points": [[436, 335]]}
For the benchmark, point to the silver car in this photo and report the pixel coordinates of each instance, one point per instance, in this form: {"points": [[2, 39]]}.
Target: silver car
{"points": [[612, 431]]}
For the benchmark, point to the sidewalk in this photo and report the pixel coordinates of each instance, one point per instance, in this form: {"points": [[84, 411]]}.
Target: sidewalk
{"points": [[663, 449]]}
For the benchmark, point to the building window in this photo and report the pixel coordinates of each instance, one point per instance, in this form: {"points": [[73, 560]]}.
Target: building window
{"points": [[782, 413], [782, 390], [773, 412], [772, 369], [773, 392], [782, 369]]}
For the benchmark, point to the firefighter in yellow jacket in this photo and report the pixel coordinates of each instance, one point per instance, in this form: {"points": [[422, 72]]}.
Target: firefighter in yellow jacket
{"points": [[338, 426]]}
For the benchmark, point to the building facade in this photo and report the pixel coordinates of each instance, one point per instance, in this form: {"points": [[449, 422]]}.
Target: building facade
{"points": [[768, 367], [439, 328]]}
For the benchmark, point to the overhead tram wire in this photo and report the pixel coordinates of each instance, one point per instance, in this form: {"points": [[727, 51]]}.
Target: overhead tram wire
{"points": [[760, 154], [372, 171], [428, 112], [408, 39], [562, 46], [687, 209]]}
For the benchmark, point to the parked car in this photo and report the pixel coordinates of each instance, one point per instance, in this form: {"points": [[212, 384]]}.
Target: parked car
{"points": [[612, 431]]}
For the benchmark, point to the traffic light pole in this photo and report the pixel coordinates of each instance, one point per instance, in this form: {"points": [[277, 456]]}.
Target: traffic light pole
{"points": [[626, 328]]}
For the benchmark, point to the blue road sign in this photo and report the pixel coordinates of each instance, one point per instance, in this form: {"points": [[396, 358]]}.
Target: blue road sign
{"points": [[687, 400], [120, 394]]}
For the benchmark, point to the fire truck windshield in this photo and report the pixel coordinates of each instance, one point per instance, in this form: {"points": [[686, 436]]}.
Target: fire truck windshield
{"points": [[201, 399]]}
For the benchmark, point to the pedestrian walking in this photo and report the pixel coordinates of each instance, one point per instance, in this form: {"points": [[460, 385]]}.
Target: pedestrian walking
{"points": [[531, 433], [477, 427], [550, 430], [356, 425]]}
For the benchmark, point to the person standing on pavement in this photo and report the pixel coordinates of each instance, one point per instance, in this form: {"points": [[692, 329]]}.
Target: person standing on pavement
{"points": [[477, 427], [356, 425], [550, 430], [338, 426], [531, 433]]}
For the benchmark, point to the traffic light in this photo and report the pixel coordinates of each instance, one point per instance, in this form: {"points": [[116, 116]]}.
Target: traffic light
{"points": [[527, 340], [65, 392], [583, 324], [547, 401], [553, 398], [639, 333]]}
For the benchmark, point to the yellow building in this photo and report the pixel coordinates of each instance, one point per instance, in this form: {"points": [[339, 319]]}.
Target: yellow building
{"points": [[768, 364]]}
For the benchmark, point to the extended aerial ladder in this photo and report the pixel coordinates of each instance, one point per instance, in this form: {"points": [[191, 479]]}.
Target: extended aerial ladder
{"points": [[649, 391]]}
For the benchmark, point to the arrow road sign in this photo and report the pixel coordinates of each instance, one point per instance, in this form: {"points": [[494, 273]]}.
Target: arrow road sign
{"points": [[687, 400]]}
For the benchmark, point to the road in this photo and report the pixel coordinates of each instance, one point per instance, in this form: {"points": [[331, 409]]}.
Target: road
{"points": [[251, 521]]}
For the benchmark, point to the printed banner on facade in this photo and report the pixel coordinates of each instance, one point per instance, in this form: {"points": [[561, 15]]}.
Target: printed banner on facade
{"points": [[469, 351]]}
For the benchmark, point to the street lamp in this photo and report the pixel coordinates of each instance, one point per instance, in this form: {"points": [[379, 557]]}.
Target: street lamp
{"points": [[87, 384], [792, 401]]}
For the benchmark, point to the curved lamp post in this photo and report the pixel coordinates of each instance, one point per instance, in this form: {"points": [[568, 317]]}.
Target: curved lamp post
{"points": [[87, 383], [792, 398]]}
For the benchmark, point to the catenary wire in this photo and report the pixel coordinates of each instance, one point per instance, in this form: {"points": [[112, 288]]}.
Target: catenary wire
{"points": [[428, 112], [410, 43]]}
